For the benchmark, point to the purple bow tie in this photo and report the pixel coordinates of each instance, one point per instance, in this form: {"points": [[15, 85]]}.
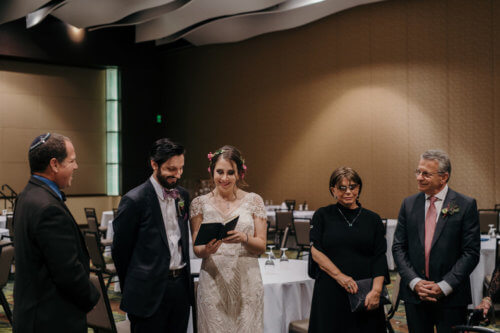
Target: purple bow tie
{"points": [[174, 194]]}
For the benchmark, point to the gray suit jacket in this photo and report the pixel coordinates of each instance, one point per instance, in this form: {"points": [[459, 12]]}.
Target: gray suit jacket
{"points": [[454, 251]]}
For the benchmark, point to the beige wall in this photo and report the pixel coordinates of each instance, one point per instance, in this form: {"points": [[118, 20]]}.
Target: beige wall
{"points": [[371, 88], [35, 99]]}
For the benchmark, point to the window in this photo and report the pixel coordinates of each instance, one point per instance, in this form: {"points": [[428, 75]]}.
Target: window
{"points": [[113, 129]]}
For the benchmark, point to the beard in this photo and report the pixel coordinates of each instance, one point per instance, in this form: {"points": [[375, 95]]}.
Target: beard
{"points": [[163, 180]]}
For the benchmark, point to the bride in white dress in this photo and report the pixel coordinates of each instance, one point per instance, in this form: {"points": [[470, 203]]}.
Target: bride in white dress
{"points": [[230, 291]]}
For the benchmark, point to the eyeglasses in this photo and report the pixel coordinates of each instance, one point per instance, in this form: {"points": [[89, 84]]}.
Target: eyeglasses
{"points": [[426, 174], [39, 140], [351, 187]]}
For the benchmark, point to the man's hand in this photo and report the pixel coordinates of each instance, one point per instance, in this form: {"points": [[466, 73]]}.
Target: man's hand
{"points": [[428, 291]]}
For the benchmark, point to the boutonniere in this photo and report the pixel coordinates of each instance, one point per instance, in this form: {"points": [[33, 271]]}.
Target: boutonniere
{"points": [[451, 209], [180, 207]]}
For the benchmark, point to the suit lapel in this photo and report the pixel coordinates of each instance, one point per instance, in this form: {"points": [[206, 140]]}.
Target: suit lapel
{"points": [[450, 196], [419, 214], [156, 213]]}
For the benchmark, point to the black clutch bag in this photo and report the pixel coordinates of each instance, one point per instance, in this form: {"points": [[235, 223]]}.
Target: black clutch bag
{"points": [[357, 300]]}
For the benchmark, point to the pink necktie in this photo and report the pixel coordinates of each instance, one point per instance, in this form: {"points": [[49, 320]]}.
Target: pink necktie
{"points": [[430, 226]]}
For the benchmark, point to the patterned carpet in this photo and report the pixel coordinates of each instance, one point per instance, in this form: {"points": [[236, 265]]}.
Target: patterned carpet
{"points": [[398, 321]]}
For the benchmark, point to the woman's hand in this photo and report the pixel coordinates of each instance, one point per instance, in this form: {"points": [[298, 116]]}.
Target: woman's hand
{"points": [[235, 237], [372, 300], [347, 283], [485, 305], [212, 246]]}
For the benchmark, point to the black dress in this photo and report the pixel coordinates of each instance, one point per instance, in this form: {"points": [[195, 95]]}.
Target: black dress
{"points": [[358, 251]]}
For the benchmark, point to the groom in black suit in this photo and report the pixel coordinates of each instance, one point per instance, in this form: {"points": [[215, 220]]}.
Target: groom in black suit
{"points": [[151, 246], [436, 247]]}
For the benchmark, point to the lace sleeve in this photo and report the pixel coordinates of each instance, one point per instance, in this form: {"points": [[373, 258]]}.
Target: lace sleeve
{"points": [[494, 289], [257, 207], [196, 207]]}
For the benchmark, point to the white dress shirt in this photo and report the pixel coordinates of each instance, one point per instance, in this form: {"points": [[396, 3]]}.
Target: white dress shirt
{"points": [[169, 214], [445, 287]]}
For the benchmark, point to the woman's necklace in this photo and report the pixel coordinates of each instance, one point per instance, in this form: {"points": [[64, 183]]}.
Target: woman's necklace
{"points": [[353, 220]]}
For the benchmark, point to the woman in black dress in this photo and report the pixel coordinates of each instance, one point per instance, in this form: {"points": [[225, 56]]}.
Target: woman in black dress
{"points": [[348, 244]]}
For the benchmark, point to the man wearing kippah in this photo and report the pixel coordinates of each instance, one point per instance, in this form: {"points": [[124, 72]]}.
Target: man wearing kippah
{"points": [[52, 290]]}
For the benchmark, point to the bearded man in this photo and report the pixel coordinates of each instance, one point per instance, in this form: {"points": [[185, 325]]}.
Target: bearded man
{"points": [[151, 246]]}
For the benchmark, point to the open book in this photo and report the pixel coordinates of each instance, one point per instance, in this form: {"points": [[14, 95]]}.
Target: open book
{"points": [[217, 230]]}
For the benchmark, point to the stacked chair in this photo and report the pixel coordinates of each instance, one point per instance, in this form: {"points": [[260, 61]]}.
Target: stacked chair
{"points": [[93, 226], [98, 262]]}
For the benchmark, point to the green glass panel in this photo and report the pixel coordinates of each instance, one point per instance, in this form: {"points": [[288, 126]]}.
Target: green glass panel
{"points": [[112, 83], [112, 116], [112, 148], [113, 179]]}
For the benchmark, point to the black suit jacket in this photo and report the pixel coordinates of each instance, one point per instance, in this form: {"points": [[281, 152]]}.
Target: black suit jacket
{"points": [[454, 250], [52, 290], [140, 249]]}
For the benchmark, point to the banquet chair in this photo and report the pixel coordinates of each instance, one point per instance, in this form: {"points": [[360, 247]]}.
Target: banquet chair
{"points": [[100, 318], [92, 242], [302, 228], [487, 217], [6, 258], [94, 227], [284, 238], [394, 304], [283, 220], [271, 233], [90, 212]]}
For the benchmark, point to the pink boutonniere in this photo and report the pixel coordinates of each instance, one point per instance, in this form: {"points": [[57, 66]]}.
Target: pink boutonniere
{"points": [[451, 209]]}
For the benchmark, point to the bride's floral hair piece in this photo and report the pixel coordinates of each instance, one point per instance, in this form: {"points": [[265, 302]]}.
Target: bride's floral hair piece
{"points": [[229, 153]]}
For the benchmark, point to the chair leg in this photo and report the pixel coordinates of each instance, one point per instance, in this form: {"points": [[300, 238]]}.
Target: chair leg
{"points": [[109, 282], [389, 326], [6, 307]]}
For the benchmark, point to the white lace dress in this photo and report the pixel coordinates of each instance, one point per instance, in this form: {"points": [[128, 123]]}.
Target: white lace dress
{"points": [[230, 296]]}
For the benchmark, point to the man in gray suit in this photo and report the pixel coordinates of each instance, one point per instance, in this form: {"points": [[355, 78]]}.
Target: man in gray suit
{"points": [[436, 247]]}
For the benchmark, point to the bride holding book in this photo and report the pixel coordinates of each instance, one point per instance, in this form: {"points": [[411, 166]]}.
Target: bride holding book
{"points": [[230, 292]]}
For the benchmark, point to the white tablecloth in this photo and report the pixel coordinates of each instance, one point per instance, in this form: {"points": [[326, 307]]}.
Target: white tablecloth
{"points": [[106, 219], [4, 232], [389, 237], [3, 221], [287, 294]]}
